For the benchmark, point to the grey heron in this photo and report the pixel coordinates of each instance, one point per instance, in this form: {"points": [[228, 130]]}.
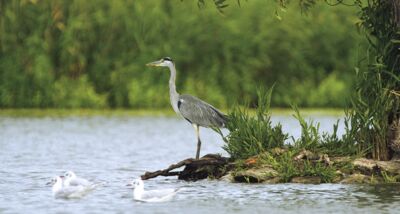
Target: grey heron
{"points": [[194, 110]]}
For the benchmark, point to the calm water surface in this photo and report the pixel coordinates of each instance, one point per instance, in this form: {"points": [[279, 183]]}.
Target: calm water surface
{"points": [[117, 149]]}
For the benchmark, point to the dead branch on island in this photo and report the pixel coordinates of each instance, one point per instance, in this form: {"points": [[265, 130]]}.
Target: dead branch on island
{"points": [[210, 165]]}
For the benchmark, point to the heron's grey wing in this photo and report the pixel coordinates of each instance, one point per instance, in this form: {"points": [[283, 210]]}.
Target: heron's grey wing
{"points": [[199, 112]]}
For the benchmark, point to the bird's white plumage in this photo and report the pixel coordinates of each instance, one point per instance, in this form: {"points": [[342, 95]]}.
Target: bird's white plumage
{"points": [[70, 179], [159, 195], [60, 190]]}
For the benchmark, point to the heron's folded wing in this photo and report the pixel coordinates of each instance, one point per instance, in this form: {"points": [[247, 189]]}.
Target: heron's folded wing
{"points": [[199, 112]]}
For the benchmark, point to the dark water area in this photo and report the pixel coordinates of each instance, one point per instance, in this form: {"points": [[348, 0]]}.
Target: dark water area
{"points": [[117, 149]]}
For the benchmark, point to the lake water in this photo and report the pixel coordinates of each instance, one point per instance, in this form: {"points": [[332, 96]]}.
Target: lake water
{"points": [[117, 149]]}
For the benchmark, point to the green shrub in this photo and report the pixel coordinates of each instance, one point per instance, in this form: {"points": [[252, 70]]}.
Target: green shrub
{"points": [[253, 135], [328, 143], [219, 58], [288, 168], [76, 94]]}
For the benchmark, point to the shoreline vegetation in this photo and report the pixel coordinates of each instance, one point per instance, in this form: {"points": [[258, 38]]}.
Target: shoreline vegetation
{"points": [[92, 54], [281, 165], [259, 153]]}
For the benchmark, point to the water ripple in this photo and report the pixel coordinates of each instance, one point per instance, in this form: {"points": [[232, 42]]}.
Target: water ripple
{"points": [[116, 149]]}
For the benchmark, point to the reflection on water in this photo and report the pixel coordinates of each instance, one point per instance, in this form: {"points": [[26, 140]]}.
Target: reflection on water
{"points": [[117, 149]]}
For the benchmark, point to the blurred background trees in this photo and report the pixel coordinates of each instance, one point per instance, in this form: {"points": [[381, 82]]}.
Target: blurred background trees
{"points": [[92, 54]]}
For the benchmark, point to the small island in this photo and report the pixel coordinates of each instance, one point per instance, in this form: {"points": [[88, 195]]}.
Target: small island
{"points": [[305, 167], [259, 153]]}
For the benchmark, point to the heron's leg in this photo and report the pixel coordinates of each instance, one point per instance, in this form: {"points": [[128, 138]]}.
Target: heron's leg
{"points": [[197, 129]]}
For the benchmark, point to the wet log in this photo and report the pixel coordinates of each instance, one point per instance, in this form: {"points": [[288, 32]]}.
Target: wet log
{"points": [[209, 166]]}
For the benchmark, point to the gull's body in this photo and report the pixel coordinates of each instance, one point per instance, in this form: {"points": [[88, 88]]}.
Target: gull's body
{"points": [[159, 195], [70, 179], [59, 190], [194, 110]]}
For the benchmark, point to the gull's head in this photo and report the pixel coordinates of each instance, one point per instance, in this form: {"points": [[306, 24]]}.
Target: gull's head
{"points": [[69, 174], [136, 183], [164, 62], [55, 180]]}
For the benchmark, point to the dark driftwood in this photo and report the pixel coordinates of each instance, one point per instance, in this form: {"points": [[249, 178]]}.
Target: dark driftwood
{"points": [[210, 165]]}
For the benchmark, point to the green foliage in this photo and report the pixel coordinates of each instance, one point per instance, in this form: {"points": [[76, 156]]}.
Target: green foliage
{"points": [[388, 178], [345, 145], [376, 104], [283, 164], [310, 138], [328, 143], [252, 135], [288, 168], [332, 89], [220, 58], [326, 173], [76, 93]]}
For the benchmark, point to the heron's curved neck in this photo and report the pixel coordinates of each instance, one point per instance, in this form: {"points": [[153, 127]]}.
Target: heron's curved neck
{"points": [[173, 95]]}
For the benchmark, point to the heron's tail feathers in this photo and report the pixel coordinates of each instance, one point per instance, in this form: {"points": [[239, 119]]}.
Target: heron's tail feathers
{"points": [[225, 119]]}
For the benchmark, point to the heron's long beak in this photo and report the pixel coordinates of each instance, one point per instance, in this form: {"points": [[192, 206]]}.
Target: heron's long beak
{"points": [[48, 183], [154, 64]]}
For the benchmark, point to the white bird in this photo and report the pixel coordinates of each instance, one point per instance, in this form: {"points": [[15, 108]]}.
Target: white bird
{"points": [[61, 191], [70, 179], [159, 195]]}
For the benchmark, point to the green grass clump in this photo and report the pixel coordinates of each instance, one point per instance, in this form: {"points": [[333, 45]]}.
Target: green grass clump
{"points": [[389, 178], [310, 137], [252, 135], [331, 144], [289, 168], [326, 173], [283, 164]]}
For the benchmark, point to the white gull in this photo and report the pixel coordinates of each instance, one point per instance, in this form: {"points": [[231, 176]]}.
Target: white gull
{"points": [[70, 179], [60, 190], [159, 195]]}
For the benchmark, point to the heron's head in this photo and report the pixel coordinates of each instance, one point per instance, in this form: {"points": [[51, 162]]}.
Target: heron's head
{"points": [[164, 62]]}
